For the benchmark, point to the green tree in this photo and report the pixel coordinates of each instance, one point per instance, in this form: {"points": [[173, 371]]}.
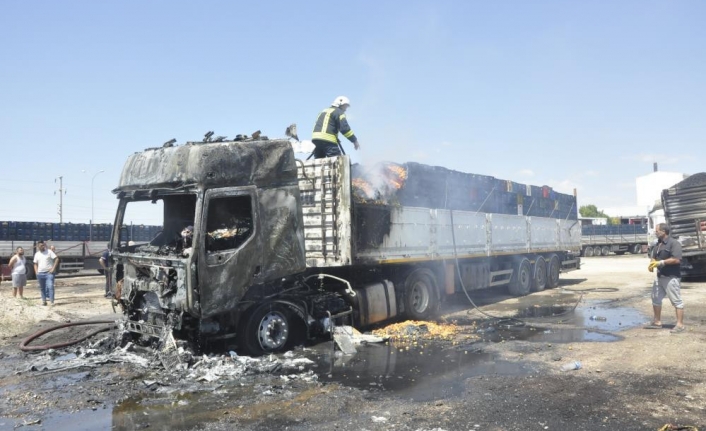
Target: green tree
{"points": [[591, 211]]}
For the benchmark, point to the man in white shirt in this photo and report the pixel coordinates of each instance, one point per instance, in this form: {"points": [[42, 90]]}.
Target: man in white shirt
{"points": [[45, 263]]}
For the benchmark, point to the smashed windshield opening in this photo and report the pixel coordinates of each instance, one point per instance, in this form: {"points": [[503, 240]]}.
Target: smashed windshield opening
{"points": [[229, 223], [171, 219]]}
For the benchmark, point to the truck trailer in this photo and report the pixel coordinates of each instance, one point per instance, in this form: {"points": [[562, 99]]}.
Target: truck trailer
{"points": [[601, 240], [283, 249], [73, 256], [684, 207]]}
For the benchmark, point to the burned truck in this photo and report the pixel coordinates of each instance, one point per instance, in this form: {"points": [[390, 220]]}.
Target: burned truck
{"points": [[284, 249]]}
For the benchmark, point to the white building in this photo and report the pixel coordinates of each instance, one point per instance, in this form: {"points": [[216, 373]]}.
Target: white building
{"points": [[649, 187], [649, 190]]}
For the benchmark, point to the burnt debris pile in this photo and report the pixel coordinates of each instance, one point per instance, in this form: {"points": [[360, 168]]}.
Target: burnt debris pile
{"points": [[417, 185]]}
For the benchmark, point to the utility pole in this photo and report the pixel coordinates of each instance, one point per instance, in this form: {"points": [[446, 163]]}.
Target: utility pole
{"points": [[90, 225], [61, 198]]}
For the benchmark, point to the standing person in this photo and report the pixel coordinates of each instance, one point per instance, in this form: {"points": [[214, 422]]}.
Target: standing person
{"points": [[105, 264], [58, 258], [18, 269], [666, 258], [331, 121], [45, 263]]}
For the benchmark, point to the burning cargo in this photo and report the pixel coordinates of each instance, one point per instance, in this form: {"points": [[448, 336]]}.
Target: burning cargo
{"points": [[418, 185]]}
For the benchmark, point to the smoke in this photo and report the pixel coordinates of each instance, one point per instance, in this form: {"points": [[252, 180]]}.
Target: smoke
{"points": [[378, 183]]}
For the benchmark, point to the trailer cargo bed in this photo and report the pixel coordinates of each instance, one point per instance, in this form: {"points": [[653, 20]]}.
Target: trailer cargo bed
{"points": [[340, 231]]}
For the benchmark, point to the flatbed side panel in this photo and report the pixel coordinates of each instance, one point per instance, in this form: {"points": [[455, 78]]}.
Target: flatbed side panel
{"points": [[614, 239], [7, 248], [544, 233], [470, 230], [324, 186], [425, 234], [569, 235], [509, 233], [67, 248]]}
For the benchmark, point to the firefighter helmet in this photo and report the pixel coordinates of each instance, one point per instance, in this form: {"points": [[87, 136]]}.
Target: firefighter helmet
{"points": [[339, 101]]}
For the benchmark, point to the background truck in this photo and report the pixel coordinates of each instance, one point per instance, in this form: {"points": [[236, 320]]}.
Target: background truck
{"points": [[71, 241], [284, 249], [684, 207], [630, 236], [74, 256]]}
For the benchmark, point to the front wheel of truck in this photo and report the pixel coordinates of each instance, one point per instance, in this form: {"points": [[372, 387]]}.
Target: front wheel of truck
{"points": [[421, 298], [266, 329]]}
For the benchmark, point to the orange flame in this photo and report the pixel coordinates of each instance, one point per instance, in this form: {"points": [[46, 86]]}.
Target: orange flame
{"points": [[396, 175]]}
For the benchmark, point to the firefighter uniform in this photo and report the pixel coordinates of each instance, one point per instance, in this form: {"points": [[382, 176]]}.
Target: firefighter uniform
{"points": [[331, 121]]}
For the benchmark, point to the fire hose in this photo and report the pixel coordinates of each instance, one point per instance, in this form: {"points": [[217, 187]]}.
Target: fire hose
{"points": [[25, 348]]}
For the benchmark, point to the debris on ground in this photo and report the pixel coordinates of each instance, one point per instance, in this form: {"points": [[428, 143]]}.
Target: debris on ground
{"points": [[420, 330], [189, 366], [347, 337]]}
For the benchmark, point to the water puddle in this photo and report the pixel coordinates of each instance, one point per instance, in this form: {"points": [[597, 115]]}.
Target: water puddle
{"points": [[592, 315], [593, 321], [420, 373], [551, 335]]}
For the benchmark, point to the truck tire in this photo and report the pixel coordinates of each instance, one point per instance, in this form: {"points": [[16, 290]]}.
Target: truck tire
{"points": [[605, 250], [421, 298], [521, 278], [637, 249], [30, 272], [588, 251], [265, 329], [553, 270], [539, 281]]}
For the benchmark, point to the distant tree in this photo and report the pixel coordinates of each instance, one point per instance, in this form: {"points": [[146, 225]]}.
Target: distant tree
{"points": [[591, 211]]}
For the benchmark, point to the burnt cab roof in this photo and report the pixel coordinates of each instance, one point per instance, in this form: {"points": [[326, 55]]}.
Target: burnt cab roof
{"points": [[263, 163]]}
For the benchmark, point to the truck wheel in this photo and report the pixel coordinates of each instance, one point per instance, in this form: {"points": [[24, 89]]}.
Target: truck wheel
{"points": [[637, 249], [420, 294], [30, 272], [553, 270], [605, 250], [588, 251], [266, 329], [522, 279], [539, 282]]}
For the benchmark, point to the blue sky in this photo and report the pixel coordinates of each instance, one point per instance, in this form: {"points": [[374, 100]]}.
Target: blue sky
{"points": [[583, 95]]}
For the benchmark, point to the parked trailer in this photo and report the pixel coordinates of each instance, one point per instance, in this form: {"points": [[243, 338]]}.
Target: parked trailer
{"points": [[283, 249], [601, 240], [73, 255], [685, 211]]}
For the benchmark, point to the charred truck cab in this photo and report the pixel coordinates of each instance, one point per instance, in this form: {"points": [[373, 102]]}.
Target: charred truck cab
{"points": [[283, 249], [243, 202]]}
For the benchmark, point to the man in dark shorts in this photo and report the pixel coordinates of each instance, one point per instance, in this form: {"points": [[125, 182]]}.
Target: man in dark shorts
{"points": [[666, 259]]}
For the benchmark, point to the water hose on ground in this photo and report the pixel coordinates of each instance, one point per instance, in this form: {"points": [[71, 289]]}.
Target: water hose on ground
{"points": [[25, 348]]}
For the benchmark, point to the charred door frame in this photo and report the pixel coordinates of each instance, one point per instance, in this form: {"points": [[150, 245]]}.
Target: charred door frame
{"points": [[208, 265]]}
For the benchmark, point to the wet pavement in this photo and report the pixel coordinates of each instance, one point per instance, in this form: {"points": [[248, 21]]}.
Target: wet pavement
{"points": [[425, 371]]}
